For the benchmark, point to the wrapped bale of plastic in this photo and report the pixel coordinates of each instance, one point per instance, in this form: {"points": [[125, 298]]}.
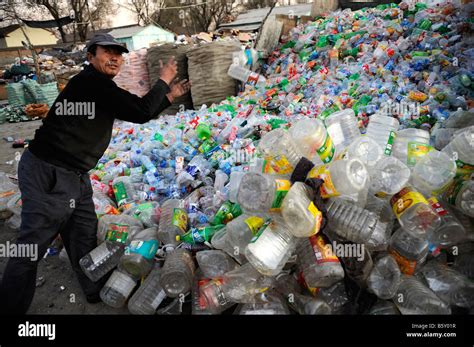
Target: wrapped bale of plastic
{"points": [[164, 53], [133, 75], [16, 94], [207, 67], [47, 93], [31, 91]]}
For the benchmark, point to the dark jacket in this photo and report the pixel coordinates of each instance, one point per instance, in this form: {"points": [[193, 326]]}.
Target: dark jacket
{"points": [[79, 125]]}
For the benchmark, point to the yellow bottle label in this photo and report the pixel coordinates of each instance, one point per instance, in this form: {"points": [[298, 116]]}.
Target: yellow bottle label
{"points": [[416, 151], [404, 199], [318, 217], [327, 188], [282, 188], [322, 251], [277, 165], [254, 223]]}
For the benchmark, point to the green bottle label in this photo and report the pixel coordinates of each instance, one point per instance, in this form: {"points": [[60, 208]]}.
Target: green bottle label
{"points": [[120, 193], [117, 232], [388, 147]]}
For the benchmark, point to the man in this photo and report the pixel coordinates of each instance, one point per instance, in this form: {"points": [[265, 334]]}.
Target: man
{"points": [[52, 173]]}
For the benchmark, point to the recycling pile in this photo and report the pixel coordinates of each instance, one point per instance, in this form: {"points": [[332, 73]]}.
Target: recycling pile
{"points": [[337, 183]]}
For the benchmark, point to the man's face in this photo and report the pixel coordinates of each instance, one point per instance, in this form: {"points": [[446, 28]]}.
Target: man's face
{"points": [[108, 60]]}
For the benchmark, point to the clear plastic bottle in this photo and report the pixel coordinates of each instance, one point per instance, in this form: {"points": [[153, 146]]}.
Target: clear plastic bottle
{"points": [[461, 194], [409, 250], [384, 278], [416, 140], [271, 247], [345, 178], [450, 232], [433, 172], [313, 140], [178, 273], [287, 286], [280, 151], [389, 176], [366, 150], [239, 285], [262, 193], [121, 228], [148, 213], [149, 295], [413, 297], [102, 259], [383, 129], [118, 288], [461, 148], [448, 284], [233, 185], [173, 222], [350, 221], [139, 256], [267, 303], [299, 211], [215, 263], [342, 128], [240, 232], [319, 266], [414, 212]]}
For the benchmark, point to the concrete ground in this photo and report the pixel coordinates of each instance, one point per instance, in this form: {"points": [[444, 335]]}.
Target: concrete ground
{"points": [[60, 284]]}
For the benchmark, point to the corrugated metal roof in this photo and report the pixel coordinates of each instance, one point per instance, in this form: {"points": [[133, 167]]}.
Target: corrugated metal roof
{"points": [[256, 17]]}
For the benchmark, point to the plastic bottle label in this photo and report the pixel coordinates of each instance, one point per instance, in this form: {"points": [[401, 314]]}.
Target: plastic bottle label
{"points": [[464, 169], [318, 217], [406, 266], [147, 249], [282, 188], [327, 150], [180, 219], [389, 146], [145, 207], [117, 232], [260, 231], [327, 188], [436, 206], [254, 223], [120, 193], [416, 151], [404, 199], [322, 252], [202, 303], [277, 166]]}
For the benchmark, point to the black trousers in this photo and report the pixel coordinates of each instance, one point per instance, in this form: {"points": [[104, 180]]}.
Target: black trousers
{"points": [[55, 201]]}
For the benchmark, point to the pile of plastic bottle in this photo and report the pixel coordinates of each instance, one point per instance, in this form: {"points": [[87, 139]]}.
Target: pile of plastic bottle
{"points": [[338, 181]]}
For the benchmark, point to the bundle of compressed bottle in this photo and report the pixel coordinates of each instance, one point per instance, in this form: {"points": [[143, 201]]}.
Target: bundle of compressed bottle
{"points": [[339, 181]]}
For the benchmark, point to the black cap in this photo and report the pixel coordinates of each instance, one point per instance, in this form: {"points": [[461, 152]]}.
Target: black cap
{"points": [[105, 40]]}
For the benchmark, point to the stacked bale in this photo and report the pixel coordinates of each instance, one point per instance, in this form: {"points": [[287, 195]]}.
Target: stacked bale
{"points": [[207, 68], [164, 53]]}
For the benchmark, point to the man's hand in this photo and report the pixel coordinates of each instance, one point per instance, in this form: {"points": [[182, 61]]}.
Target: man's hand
{"points": [[178, 89], [168, 71]]}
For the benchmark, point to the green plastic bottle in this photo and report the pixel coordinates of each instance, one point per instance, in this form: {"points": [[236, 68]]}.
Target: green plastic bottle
{"points": [[203, 131], [226, 213], [199, 235]]}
